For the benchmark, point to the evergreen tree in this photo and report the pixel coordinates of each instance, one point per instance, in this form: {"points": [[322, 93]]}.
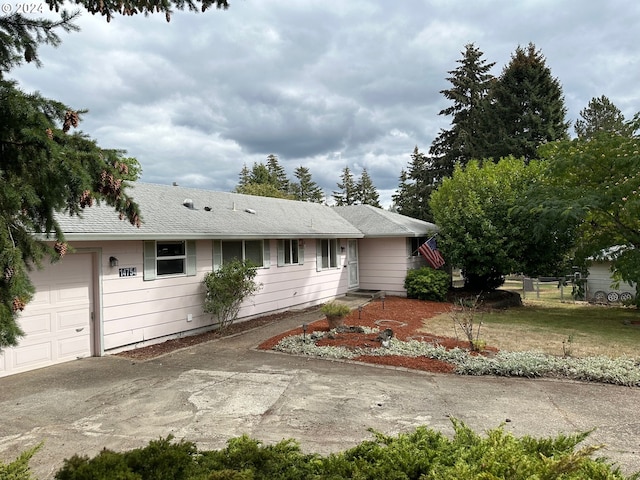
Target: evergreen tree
{"points": [[348, 191], [305, 189], [367, 192], [277, 174], [526, 107], [416, 185], [260, 174], [600, 116], [465, 140], [45, 169], [245, 177]]}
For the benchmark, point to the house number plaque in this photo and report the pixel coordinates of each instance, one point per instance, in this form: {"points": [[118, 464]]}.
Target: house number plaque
{"points": [[127, 271]]}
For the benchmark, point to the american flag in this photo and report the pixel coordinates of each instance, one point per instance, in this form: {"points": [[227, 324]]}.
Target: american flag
{"points": [[429, 250]]}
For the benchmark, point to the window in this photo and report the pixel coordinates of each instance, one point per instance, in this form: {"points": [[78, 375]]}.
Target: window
{"points": [[255, 251], [413, 244], [169, 258], [290, 252], [326, 254]]}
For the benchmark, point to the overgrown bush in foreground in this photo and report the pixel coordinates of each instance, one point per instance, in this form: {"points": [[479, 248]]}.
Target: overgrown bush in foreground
{"points": [[423, 454]]}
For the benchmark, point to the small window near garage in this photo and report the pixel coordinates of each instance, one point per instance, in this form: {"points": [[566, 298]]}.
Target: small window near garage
{"points": [[169, 258], [290, 252], [327, 254]]}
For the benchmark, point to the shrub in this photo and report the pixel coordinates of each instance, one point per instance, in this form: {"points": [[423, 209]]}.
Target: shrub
{"points": [[227, 288], [19, 468], [427, 284], [159, 460], [423, 453], [335, 309]]}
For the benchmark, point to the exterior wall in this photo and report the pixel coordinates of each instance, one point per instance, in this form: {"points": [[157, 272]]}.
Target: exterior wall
{"points": [[135, 312], [296, 285], [599, 279], [383, 264]]}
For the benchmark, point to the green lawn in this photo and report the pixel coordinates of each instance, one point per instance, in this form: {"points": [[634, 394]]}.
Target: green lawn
{"points": [[556, 328]]}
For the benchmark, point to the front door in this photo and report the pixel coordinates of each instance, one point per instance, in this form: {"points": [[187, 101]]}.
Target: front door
{"points": [[352, 263]]}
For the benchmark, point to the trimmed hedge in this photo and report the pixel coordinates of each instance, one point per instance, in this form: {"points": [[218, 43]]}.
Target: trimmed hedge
{"points": [[422, 454]]}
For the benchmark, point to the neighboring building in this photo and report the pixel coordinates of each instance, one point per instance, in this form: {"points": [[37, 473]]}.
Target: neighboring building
{"points": [[126, 287], [600, 283]]}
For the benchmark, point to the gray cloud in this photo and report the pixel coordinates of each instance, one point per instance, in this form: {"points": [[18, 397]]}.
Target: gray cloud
{"points": [[320, 84]]}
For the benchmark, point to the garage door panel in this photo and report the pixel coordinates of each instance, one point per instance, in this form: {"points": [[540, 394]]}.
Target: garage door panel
{"points": [[73, 293], [73, 319], [32, 356], [73, 347], [42, 298], [36, 324]]}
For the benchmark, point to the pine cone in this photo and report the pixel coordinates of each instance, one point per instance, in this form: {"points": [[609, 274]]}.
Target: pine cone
{"points": [[18, 304], [8, 273], [49, 133], [86, 200], [71, 119], [61, 248]]}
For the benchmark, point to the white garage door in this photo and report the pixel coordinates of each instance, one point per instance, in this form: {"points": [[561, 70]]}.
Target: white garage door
{"points": [[57, 322]]}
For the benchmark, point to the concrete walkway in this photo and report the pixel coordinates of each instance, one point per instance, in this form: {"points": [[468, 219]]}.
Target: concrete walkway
{"points": [[222, 389]]}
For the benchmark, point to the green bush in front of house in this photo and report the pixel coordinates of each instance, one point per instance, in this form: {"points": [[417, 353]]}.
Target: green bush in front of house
{"points": [[427, 284], [422, 454], [227, 287]]}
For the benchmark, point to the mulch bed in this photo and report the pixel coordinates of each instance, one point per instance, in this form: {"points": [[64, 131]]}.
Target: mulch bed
{"points": [[409, 319]]}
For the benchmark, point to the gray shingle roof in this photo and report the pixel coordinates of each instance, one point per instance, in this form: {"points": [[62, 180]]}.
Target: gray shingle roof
{"points": [[231, 215], [375, 222]]}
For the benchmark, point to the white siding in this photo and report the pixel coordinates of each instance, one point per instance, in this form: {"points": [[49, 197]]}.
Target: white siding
{"points": [[289, 286], [136, 312], [383, 264]]}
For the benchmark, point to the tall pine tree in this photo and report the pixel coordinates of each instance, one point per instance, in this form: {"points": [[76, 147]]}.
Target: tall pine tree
{"points": [[278, 176], [416, 185], [600, 116], [526, 107], [465, 140], [348, 190], [305, 189], [367, 192]]}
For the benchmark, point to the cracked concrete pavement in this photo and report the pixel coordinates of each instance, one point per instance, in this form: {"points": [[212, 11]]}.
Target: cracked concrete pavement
{"points": [[225, 388]]}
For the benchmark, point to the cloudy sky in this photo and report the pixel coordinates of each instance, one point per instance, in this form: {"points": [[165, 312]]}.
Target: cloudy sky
{"points": [[320, 84]]}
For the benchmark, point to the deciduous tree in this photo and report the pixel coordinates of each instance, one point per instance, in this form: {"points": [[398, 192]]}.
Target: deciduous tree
{"points": [[483, 232], [595, 181]]}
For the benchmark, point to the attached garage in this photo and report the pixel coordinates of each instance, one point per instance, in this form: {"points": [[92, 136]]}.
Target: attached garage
{"points": [[57, 322]]}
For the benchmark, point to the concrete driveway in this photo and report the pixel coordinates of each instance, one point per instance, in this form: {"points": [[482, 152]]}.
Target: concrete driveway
{"points": [[222, 389]]}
